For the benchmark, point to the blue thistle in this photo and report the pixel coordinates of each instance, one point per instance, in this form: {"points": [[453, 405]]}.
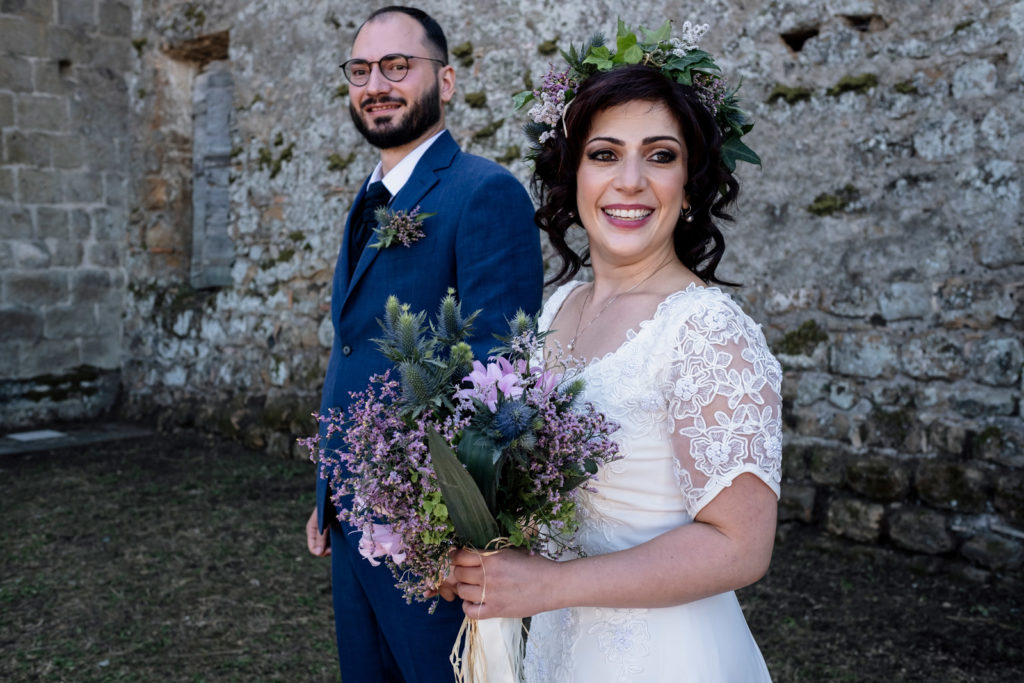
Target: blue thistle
{"points": [[513, 419]]}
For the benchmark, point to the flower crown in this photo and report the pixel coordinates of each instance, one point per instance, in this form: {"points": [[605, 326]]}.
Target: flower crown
{"points": [[678, 58]]}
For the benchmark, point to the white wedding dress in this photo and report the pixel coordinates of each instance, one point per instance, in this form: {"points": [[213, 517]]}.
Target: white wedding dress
{"points": [[699, 373]]}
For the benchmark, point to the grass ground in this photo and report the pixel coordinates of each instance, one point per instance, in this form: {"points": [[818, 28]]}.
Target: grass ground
{"points": [[181, 557]]}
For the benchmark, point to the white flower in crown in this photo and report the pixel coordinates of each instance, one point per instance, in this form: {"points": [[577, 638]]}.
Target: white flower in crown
{"points": [[690, 38]]}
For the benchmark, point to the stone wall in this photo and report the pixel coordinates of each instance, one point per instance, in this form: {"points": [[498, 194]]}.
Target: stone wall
{"points": [[881, 244], [63, 178]]}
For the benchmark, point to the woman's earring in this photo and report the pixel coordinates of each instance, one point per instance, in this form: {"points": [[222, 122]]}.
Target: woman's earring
{"points": [[686, 213]]}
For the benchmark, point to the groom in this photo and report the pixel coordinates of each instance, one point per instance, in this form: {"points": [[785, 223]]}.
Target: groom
{"points": [[481, 241]]}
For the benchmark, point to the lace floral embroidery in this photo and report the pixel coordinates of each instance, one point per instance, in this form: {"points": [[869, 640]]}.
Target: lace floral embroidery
{"points": [[623, 637]]}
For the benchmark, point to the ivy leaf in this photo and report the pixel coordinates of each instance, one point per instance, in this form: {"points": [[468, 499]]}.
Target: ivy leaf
{"points": [[520, 99], [662, 34], [632, 55], [734, 150], [466, 506]]}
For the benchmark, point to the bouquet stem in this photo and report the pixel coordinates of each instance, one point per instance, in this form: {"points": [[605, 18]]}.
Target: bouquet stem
{"points": [[491, 651]]}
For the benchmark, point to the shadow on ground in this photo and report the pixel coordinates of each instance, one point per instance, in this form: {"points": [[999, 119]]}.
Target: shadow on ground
{"points": [[181, 557]]}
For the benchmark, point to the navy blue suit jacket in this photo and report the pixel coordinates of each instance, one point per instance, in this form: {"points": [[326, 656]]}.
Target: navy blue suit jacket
{"points": [[482, 242]]}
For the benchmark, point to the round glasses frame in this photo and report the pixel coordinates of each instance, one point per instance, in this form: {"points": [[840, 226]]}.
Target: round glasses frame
{"points": [[393, 67]]}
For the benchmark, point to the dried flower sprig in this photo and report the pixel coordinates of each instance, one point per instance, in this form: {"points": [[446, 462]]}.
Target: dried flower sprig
{"points": [[398, 226]]}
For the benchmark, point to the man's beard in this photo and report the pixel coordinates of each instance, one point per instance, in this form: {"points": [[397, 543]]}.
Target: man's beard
{"points": [[419, 118]]}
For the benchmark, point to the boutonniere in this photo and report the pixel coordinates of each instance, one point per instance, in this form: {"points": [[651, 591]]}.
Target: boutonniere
{"points": [[398, 226]]}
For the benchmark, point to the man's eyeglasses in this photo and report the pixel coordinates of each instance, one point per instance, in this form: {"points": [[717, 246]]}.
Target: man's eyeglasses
{"points": [[392, 67]]}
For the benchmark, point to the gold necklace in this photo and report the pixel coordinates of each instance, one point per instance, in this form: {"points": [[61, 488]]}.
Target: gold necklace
{"points": [[572, 342]]}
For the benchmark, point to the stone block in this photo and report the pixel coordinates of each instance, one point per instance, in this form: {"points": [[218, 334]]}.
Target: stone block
{"points": [[998, 362], [921, 530], [794, 462], [48, 78], [16, 222], [974, 303], [949, 438], [115, 17], [52, 222], [934, 355], [826, 465], [23, 37], [994, 551], [80, 224], [42, 112], [115, 54], [1009, 496], [797, 503], [975, 79], [69, 322], [6, 106], [36, 289], [27, 254], [69, 44], [65, 253], [1001, 440], [29, 149], [91, 286], [20, 325], [864, 355], [104, 254], [855, 518], [985, 401], [82, 187], [7, 187], [29, 9], [953, 486], [878, 477], [109, 224], [896, 428], [115, 189], [39, 186], [15, 73], [812, 387], [905, 300], [67, 151], [77, 13], [50, 357]]}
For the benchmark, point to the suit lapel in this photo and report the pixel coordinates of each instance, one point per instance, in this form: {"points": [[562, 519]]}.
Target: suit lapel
{"points": [[438, 157]]}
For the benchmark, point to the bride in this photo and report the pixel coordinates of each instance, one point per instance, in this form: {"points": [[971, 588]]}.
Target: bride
{"points": [[688, 514]]}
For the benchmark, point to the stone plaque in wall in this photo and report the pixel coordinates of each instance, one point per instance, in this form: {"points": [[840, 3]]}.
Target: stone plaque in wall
{"points": [[212, 248]]}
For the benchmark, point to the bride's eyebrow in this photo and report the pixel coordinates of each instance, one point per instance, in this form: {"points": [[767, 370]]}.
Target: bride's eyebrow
{"points": [[647, 141]]}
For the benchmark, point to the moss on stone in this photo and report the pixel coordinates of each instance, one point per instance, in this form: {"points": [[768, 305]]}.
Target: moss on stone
{"points": [[489, 130], [826, 204], [803, 340], [548, 47], [336, 162], [788, 94], [476, 100], [464, 53], [893, 426], [339, 92], [139, 44], [963, 25], [860, 83], [512, 153], [528, 80], [279, 139], [987, 435], [296, 235], [906, 88], [195, 14], [266, 158]]}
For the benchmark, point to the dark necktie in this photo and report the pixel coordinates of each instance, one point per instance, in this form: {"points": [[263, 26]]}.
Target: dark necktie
{"points": [[364, 222]]}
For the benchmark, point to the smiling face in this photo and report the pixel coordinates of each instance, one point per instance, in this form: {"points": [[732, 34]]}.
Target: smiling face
{"points": [[394, 115], [630, 183]]}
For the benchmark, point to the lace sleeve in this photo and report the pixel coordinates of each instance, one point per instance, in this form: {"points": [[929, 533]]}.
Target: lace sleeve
{"points": [[724, 405]]}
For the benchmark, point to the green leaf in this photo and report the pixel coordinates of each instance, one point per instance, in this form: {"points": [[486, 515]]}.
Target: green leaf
{"points": [[480, 455], [734, 150], [466, 506], [632, 55], [663, 33], [520, 99]]}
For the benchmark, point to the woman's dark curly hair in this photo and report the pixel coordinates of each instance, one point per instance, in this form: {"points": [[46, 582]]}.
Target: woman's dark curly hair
{"points": [[710, 185]]}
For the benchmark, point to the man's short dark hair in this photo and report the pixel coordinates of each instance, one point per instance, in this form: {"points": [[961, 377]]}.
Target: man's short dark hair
{"points": [[435, 34]]}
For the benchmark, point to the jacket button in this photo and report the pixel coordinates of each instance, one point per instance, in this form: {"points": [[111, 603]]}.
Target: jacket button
{"points": [[346, 349]]}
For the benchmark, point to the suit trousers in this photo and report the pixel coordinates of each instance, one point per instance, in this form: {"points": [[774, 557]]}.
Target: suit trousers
{"points": [[412, 645]]}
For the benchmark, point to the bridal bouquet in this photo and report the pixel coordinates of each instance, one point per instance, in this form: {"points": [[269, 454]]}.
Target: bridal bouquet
{"points": [[444, 451]]}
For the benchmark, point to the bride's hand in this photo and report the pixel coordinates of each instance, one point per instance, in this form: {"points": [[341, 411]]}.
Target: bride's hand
{"points": [[504, 583], [447, 587]]}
